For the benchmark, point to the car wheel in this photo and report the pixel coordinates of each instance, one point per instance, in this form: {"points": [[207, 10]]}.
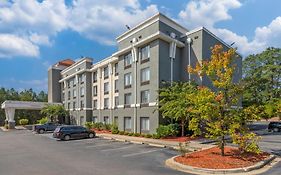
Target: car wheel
{"points": [[66, 137], [91, 135], [41, 131], [275, 129]]}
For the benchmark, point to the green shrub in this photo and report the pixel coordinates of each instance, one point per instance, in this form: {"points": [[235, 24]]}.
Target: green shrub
{"points": [[115, 131], [121, 132], [130, 134], [43, 120], [142, 135], [126, 133], [89, 125], [23, 121], [98, 126], [136, 134], [148, 136], [167, 130], [156, 136], [107, 127]]}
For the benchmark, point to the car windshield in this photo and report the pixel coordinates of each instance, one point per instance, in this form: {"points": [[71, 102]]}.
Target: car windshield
{"points": [[57, 129]]}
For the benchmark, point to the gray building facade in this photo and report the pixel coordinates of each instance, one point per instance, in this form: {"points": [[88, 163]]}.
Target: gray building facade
{"points": [[123, 88]]}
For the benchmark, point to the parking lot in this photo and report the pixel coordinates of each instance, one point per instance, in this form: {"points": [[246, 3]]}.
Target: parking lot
{"points": [[23, 152]]}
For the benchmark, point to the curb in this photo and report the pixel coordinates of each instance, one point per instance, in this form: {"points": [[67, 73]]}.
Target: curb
{"points": [[4, 129], [190, 169]]}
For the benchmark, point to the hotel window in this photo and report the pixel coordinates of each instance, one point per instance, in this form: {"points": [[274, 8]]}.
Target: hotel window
{"points": [[128, 80], [116, 101], [95, 76], [145, 96], [106, 88], [82, 91], [145, 54], [68, 83], [144, 124], [127, 99], [115, 121], [68, 95], [68, 105], [63, 96], [74, 105], [82, 104], [145, 76], [128, 60], [116, 85], [95, 119], [106, 120], [127, 123], [74, 93], [116, 69], [74, 81], [95, 104], [95, 90], [105, 72], [106, 103], [83, 78]]}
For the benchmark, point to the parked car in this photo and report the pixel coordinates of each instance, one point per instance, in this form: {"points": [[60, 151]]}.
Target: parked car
{"points": [[274, 126], [72, 132], [50, 126]]}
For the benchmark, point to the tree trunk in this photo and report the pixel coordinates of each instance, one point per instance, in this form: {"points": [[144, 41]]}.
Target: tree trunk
{"points": [[182, 127], [222, 145]]}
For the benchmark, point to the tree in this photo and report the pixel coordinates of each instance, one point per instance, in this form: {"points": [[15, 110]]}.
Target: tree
{"points": [[174, 102], [53, 112], [262, 77], [219, 108]]}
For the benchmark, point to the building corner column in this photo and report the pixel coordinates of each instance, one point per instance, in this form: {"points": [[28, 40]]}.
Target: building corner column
{"points": [[10, 115]]}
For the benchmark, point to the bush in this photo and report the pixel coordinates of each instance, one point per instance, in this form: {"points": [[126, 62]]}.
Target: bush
{"points": [[148, 136], [98, 126], [126, 133], [156, 136], [130, 134], [121, 132], [89, 125], [107, 127], [43, 120], [114, 129], [136, 134], [167, 130], [23, 121]]}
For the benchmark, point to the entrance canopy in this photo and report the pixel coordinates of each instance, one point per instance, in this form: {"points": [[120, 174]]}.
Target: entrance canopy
{"points": [[11, 106]]}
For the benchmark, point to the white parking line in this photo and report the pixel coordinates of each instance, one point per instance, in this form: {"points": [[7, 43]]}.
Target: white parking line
{"points": [[113, 149], [144, 152], [93, 146]]}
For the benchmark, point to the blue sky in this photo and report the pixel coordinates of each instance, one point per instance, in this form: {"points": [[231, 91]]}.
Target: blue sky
{"points": [[36, 34]]}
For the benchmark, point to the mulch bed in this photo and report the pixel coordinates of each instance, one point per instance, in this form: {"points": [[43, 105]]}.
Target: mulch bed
{"points": [[101, 131], [179, 139], [211, 158]]}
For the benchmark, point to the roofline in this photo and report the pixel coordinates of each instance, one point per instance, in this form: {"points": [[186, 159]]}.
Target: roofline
{"points": [[76, 63], [154, 17]]}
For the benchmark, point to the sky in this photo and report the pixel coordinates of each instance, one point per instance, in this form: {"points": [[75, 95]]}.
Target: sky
{"points": [[35, 34]]}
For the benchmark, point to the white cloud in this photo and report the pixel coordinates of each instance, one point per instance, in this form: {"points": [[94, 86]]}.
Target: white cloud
{"points": [[40, 39], [208, 12], [12, 45], [104, 20]]}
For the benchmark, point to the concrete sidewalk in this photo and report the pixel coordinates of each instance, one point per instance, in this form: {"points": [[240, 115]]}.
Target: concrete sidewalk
{"points": [[192, 146]]}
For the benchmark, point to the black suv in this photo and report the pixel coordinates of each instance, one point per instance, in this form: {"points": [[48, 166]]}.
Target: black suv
{"points": [[274, 126], [50, 126], [72, 132]]}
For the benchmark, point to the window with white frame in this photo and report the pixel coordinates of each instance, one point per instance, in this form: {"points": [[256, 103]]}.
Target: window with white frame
{"points": [[83, 78], [74, 105], [75, 80], [145, 75], [116, 85], [128, 79], [116, 68], [106, 120], [68, 105], [74, 93], [105, 72], [127, 123], [144, 123], [128, 60], [106, 88], [68, 95], [95, 76], [145, 96], [95, 90], [145, 52], [95, 119], [82, 104], [116, 101], [82, 91], [127, 99], [95, 104], [106, 103]]}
